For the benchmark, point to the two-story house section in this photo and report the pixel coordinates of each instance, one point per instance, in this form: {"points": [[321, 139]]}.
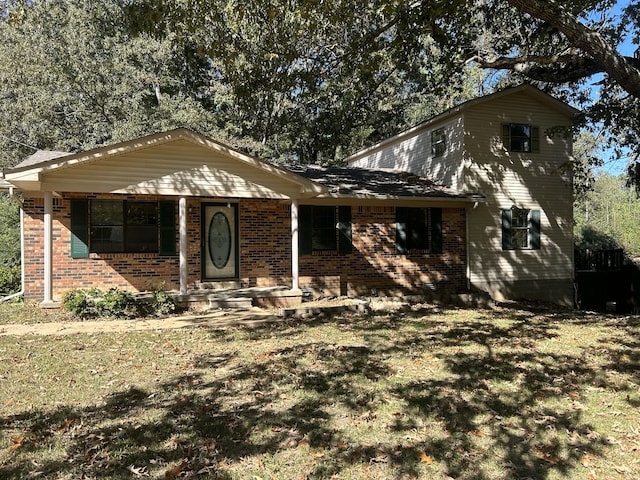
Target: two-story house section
{"points": [[514, 148]]}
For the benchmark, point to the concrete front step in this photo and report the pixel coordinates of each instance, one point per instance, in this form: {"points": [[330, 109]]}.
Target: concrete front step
{"points": [[240, 298]]}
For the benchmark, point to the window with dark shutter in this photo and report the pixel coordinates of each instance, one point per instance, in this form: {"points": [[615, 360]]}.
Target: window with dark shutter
{"points": [[79, 228], [319, 229], [521, 137], [520, 229]]}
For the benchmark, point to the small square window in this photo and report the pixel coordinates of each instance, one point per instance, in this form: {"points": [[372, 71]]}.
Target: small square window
{"points": [[520, 137]]}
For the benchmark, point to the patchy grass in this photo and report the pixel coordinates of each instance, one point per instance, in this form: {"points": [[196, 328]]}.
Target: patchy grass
{"points": [[416, 393], [30, 313]]}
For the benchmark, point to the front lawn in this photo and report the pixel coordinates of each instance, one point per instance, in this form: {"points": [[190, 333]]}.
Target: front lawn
{"points": [[419, 393]]}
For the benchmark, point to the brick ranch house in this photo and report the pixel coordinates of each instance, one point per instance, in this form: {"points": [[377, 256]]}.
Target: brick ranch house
{"points": [[180, 211]]}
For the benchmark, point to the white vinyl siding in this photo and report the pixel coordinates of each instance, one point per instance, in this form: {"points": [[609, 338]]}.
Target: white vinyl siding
{"points": [[413, 153], [525, 180], [200, 171]]}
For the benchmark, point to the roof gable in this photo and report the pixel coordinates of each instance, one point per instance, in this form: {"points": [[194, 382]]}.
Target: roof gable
{"points": [[178, 162], [529, 90]]}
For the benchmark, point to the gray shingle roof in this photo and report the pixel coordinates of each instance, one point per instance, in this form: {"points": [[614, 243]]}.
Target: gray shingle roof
{"points": [[350, 181], [40, 156]]}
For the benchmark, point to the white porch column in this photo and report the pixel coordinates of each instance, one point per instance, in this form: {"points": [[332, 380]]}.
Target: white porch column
{"points": [[48, 249], [295, 279], [182, 215]]}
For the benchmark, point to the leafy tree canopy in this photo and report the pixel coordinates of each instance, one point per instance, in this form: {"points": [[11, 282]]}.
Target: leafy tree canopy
{"points": [[308, 79]]}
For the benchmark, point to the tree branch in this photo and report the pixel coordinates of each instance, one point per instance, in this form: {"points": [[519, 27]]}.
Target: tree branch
{"points": [[626, 75]]}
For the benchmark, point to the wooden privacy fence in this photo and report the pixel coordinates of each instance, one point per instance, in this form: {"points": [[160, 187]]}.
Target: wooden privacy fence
{"points": [[599, 260], [605, 283]]}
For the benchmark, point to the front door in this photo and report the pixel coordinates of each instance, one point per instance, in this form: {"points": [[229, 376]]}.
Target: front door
{"points": [[220, 241]]}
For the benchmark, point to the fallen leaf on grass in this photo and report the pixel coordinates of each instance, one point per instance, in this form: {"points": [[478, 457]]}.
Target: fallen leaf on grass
{"points": [[587, 460], [138, 471], [477, 433], [176, 471], [547, 458], [424, 458], [16, 443], [61, 428]]}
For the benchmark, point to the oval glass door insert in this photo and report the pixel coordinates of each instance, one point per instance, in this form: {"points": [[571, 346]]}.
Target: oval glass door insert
{"points": [[219, 240]]}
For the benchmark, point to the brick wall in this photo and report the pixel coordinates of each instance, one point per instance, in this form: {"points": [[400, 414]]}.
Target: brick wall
{"points": [[375, 265], [131, 271], [265, 254], [265, 243]]}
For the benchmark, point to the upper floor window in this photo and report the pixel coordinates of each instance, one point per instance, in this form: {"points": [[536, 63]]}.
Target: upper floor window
{"points": [[520, 229], [521, 137], [438, 142]]}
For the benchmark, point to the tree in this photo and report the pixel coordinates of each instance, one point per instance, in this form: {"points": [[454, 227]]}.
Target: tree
{"points": [[74, 77], [608, 215], [300, 79]]}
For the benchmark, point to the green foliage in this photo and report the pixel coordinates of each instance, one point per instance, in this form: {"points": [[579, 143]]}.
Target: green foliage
{"points": [[9, 280], [162, 303], [312, 81], [116, 303], [9, 231], [608, 216]]}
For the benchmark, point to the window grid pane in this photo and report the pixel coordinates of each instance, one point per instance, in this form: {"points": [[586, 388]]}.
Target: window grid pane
{"points": [[324, 236], [520, 231], [520, 137], [438, 142], [120, 226]]}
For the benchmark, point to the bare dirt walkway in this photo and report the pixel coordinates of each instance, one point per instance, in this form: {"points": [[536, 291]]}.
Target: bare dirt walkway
{"points": [[218, 319]]}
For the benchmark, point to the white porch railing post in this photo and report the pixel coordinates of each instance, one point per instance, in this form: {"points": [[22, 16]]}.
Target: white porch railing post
{"points": [[295, 279], [182, 214], [48, 248]]}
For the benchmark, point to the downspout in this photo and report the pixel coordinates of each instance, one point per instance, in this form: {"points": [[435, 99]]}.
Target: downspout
{"points": [[468, 266], [13, 195]]}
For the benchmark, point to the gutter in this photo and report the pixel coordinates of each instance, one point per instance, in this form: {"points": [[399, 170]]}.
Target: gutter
{"points": [[21, 292]]}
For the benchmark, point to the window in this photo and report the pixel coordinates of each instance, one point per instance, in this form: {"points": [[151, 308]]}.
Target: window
{"points": [[122, 226], [418, 229], [520, 229], [520, 137], [324, 228], [438, 142]]}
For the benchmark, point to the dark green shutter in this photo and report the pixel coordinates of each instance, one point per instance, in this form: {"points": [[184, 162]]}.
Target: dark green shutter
{"points": [[506, 230], [305, 229], [344, 227], [506, 136], [402, 215], [534, 221], [436, 230], [79, 228], [535, 139], [167, 228]]}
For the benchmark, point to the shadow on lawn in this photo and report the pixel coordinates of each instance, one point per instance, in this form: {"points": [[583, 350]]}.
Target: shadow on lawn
{"points": [[496, 399]]}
